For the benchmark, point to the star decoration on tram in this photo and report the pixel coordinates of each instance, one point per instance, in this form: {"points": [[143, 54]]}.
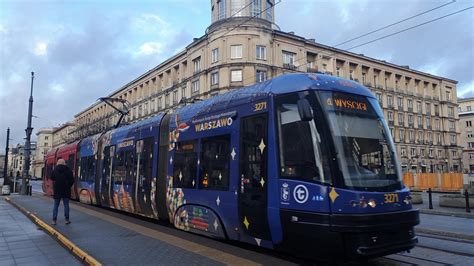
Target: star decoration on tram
{"points": [[246, 223], [261, 146], [262, 182], [233, 153], [218, 201]]}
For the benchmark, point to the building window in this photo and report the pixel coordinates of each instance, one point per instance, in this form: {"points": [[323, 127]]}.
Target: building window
{"points": [[390, 115], [197, 64], [439, 138], [167, 100], [448, 95], [420, 121], [413, 152], [400, 102], [159, 103], [402, 135], [236, 75], [215, 55], [428, 122], [379, 97], [236, 8], [400, 118], [450, 111], [440, 154], [261, 52], [261, 76], [195, 86], [431, 152], [403, 152], [389, 100], [268, 9], [410, 104], [420, 136], [175, 97], [288, 58], [428, 108], [411, 135], [451, 125], [418, 107], [235, 51], [469, 123], [410, 119], [453, 138], [214, 78], [46, 144], [46, 137], [183, 92], [437, 124], [454, 154], [468, 108], [256, 8], [221, 11], [338, 71]]}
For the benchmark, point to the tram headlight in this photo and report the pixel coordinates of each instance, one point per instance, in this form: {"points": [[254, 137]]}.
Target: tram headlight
{"points": [[372, 203], [363, 203], [407, 200]]}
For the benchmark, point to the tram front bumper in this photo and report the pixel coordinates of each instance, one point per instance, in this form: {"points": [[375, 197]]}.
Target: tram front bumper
{"points": [[351, 235]]}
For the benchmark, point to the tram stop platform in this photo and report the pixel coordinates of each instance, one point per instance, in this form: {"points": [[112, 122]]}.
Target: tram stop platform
{"points": [[99, 236]]}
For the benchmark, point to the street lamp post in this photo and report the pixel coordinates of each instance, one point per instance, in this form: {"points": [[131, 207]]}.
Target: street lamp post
{"points": [[29, 130], [6, 180]]}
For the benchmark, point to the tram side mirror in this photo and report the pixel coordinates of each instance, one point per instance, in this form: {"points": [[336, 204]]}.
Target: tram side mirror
{"points": [[304, 109]]}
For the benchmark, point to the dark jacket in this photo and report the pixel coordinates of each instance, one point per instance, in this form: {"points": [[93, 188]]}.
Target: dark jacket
{"points": [[63, 180]]}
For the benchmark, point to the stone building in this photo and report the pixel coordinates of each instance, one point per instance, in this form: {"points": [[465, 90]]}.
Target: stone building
{"points": [[62, 134], [44, 142], [16, 160], [243, 46], [466, 121]]}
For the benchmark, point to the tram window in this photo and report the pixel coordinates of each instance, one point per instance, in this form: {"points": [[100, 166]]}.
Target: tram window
{"points": [[185, 161], [146, 157], [123, 168], [214, 163], [106, 161], [301, 154], [70, 162], [87, 168]]}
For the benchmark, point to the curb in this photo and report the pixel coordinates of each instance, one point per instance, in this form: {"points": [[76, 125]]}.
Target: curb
{"points": [[445, 234], [75, 250], [453, 214]]}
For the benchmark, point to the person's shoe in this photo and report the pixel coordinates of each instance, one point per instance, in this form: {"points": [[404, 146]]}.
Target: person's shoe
{"points": [[54, 222], [68, 222]]}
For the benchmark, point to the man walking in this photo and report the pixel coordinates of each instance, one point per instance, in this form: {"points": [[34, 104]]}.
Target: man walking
{"points": [[63, 180]]}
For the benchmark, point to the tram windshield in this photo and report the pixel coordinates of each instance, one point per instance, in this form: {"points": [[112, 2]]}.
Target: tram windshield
{"points": [[364, 148]]}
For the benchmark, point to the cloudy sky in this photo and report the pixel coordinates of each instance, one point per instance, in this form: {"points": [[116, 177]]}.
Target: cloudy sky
{"points": [[81, 50]]}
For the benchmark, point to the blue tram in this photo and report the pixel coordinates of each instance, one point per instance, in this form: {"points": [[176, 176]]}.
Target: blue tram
{"points": [[303, 163]]}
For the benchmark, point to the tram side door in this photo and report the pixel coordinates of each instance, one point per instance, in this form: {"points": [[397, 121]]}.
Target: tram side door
{"points": [[253, 192]]}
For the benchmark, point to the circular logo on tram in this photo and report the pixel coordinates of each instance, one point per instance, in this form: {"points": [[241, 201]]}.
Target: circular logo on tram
{"points": [[300, 193]]}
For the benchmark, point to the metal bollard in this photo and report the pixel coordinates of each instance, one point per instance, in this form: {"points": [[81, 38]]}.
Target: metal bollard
{"points": [[430, 200], [466, 196]]}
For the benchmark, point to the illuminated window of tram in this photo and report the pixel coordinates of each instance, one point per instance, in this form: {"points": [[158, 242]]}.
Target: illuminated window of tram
{"points": [[185, 161], [214, 163], [301, 156]]}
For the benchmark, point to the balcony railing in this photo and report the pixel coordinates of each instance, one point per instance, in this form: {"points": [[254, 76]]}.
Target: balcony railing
{"points": [[289, 66]]}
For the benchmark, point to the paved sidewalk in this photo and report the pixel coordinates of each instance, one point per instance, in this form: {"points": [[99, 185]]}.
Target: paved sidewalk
{"points": [[22, 243], [117, 239]]}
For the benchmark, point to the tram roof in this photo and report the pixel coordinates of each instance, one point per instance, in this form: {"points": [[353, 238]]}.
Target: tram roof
{"points": [[277, 86]]}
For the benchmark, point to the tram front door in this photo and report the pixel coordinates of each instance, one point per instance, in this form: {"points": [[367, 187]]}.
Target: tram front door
{"points": [[253, 176]]}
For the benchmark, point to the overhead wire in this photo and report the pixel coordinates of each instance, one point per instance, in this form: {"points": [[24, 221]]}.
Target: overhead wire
{"points": [[368, 42], [395, 23]]}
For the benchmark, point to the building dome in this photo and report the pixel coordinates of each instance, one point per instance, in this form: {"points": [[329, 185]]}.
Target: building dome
{"points": [[225, 12]]}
